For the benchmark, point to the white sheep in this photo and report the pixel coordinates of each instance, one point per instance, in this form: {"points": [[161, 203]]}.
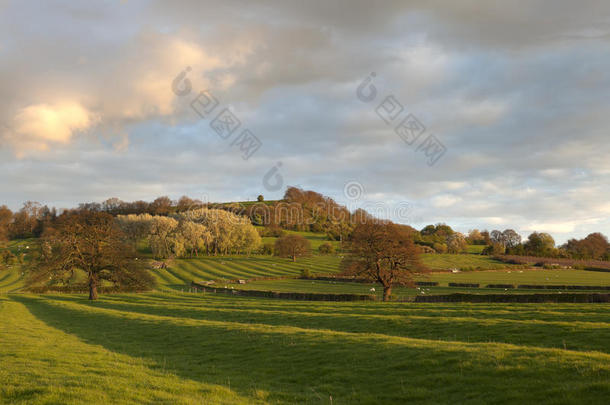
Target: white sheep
{"points": [[372, 289]]}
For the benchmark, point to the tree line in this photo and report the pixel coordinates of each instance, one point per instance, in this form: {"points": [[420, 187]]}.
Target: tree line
{"points": [[299, 210]]}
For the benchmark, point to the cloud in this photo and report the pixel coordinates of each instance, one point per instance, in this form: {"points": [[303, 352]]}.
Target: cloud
{"points": [[41, 126], [519, 102]]}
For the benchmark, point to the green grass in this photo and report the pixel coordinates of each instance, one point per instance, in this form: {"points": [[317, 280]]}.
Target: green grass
{"points": [[445, 261], [182, 272], [537, 277], [475, 249], [529, 276], [316, 239], [11, 279], [12, 276], [190, 348]]}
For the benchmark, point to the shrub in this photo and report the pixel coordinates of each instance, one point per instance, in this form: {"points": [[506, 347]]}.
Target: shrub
{"points": [[307, 274], [494, 249], [326, 248], [272, 231], [267, 249], [440, 247], [8, 257]]}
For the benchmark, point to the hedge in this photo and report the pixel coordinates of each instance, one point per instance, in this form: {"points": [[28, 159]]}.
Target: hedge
{"points": [[500, 286], [464, 285], [518, 298], [79, 289], [285, 295], [563, 287]]}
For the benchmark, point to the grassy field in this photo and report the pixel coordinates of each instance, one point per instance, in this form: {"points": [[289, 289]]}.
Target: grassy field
{"points": [[468, 261], [528, 276], [12, 276], [537, 277], [316, 239], [190, 348], [183, 271]]}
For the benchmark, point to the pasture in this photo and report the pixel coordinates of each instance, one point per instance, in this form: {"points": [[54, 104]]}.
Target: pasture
{"points": [[177, 347], [195, 348]]}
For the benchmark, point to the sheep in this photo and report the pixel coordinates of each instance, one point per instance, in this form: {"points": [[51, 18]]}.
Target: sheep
{"points": [[372, 289]]}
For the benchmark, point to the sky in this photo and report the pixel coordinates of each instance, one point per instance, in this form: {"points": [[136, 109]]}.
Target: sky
{"points": [[486, 115]]}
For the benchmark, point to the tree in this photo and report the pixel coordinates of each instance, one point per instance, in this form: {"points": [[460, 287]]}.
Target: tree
{"points": [[161, 206], [6, 217], [260, 198], [497, 237], [382, 252], [494, 249], [26, 222], [91, 242], [326, 248], [135, 227], [196, 236], [113, 206], [511, 238], [292, 246], [163, 236], [456, 243], [186, 204], [475, 237], [540, 244], [594, 246], [486, 237]]}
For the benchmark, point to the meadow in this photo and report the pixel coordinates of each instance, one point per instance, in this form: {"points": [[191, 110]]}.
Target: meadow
{"points": [[178, 347], [195, 348]]}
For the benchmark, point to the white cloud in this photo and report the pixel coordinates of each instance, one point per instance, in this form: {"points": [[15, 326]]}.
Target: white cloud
{"points": [[41, 126], [445, 200]]}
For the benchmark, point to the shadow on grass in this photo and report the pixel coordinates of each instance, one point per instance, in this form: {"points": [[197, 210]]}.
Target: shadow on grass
{"points": [[301, 366], [467, 326]]}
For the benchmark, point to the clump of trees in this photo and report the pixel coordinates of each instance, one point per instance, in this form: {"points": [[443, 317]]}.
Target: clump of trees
{"points": [[292, 246], [382, 252], [28, 222], [91, 242], [442, 239], [189, 233], [594, 247]]}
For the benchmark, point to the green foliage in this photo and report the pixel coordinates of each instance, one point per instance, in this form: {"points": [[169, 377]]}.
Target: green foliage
{"points": [[326, 248], [307, 274], [268, 248], [495, 249], [540, 244], [440, 247], [191, 232], [292, 246]]}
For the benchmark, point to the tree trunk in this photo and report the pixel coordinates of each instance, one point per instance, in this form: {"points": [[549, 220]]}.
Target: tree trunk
{"points": [[387, 293], [92, 288], [294, 258]]}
